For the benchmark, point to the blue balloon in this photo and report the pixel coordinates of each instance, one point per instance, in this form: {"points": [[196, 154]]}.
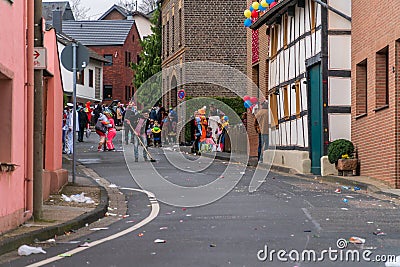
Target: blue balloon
{"points": [[247, 22], [251, 8], [247, 104], [261, 8], [270, 1]]}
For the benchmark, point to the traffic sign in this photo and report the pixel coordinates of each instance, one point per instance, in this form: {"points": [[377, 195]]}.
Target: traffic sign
{"points": [[181, 94], [82, 57], [39, 58]]}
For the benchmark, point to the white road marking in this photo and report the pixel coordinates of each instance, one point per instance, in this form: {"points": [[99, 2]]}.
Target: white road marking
{"points": [[155, 209], [316, 224]]}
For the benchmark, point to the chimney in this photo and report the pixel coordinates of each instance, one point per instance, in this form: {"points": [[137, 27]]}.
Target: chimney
{"points": [[57, 20], [130, 16]]}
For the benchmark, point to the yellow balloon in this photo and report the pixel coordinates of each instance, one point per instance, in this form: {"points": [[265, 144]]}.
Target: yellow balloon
{"points": [[255, 5], [247, 13], [264, 3]]}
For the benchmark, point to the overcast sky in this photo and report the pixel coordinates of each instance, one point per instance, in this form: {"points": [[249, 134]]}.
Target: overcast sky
{"points": [[97, 7]]}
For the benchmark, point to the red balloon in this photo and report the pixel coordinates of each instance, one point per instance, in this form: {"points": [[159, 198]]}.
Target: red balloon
{"points": [[272, 5], [246, 97], [254, 14], [253, 100]]}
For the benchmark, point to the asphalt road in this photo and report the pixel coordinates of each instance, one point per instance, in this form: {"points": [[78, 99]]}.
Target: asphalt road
{"points": [[286, 213]]}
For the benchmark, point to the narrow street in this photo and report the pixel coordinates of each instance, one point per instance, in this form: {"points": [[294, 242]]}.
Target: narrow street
{"points": [[286, 212]]}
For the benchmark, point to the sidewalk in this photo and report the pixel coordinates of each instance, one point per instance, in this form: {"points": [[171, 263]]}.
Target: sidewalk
{"points": [[363, 182], [60, 218]]}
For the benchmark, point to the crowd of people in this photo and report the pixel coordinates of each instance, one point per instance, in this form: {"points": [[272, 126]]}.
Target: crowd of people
{"points": [[153, 127], [210, 132]]}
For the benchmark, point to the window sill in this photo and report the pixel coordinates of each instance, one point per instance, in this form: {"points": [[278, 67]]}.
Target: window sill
{"points": [[381, 108], [360, 116]]}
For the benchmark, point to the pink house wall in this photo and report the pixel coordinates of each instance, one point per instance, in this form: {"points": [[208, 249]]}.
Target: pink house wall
{"points": [[16, 121], [54, 176], [14, 115]]}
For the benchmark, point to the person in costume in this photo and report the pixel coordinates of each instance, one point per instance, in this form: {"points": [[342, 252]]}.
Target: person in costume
{"points": [[156, 131], [102, 133], [112, 132]]}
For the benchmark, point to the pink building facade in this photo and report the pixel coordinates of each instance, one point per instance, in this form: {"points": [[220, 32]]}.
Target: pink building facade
{"points": [[16, 135]]}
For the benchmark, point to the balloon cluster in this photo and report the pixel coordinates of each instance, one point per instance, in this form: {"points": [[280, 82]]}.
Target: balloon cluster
{"points": [[256, 7], [249, 102]]}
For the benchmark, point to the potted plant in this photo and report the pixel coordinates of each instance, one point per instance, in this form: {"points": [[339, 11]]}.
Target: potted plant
{"points": [[341, 153]]}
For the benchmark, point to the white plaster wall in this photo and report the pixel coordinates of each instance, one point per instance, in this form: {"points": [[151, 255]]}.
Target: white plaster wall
{"points": [[339, 126], [339, 91], [283, 127], [339, 52], [292, 97], [335, 21], [81, 91], [305, 118], [294, 135], [291, 60]]}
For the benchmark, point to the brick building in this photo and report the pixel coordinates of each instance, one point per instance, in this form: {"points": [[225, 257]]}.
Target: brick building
{"points": [[211, 31], [119, 42], [142, 21], [375, 88]]}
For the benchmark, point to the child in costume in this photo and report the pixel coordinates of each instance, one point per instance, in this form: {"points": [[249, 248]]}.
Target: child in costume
{"points": [[156, 131]]}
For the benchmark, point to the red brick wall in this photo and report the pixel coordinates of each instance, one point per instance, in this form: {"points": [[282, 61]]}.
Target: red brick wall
{"points": [[376, 135], [114, 15], [118, 75]]}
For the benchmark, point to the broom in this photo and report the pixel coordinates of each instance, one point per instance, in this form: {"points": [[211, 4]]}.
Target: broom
{"points": [[141, 142]]}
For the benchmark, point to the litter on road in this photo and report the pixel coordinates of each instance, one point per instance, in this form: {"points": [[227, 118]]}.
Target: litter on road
{"points": [[25, 250], [356, 240], [79, 198], [99, 228], [160, 241], [65, 255], [379, 233], [164, 228]]}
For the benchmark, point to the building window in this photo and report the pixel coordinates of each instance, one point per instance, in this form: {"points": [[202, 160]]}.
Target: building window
{"points": [[127, 93], [274, 40], [361, 88], [180, 29], [80, 77], [274, 109], [109, 59], [163, 40], [167, 47], [256, 75], [285, 103], [90, 78], [382, 79], [107, 92], [173, 34], [127, 58], [298, 95], [6, 102], [97, 83]]}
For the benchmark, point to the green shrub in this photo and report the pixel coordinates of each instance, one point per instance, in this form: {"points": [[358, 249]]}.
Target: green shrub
{"points": [[338, 148]]}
